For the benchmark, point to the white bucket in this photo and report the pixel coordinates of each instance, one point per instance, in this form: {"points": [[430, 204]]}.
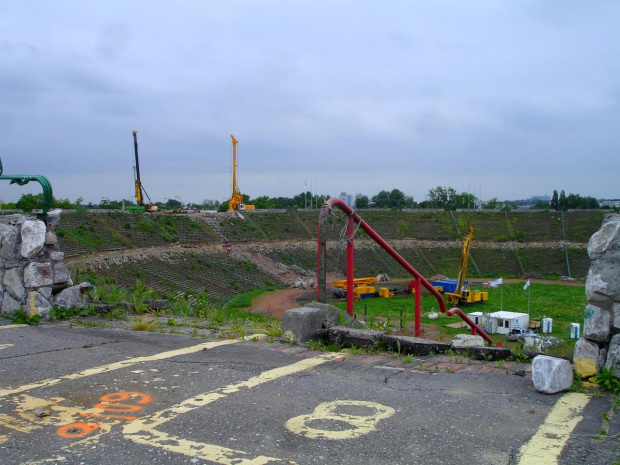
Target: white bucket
{"points": [[574, 330]]}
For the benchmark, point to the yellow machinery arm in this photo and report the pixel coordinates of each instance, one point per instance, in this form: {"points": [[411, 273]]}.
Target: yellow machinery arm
{"points": [[356, 282], [236, 199], [459, 291], [235, 190]]}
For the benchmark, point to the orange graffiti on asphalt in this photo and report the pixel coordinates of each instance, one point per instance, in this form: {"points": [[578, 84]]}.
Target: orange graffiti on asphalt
{"points": [[112, 406]]}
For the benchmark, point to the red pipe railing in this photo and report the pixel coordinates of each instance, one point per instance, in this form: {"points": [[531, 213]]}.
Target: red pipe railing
{"points": [[474, 327], [353, 217]]}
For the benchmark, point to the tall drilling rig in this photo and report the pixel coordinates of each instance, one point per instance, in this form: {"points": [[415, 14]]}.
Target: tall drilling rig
{"points": [[236, 199], [148, 207]]}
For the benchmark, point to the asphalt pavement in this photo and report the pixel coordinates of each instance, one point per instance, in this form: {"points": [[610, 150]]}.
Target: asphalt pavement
{"points": [[76, 395]]}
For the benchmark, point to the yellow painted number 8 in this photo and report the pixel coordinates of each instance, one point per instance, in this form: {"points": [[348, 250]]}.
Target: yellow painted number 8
{"points": [[340, 419]]}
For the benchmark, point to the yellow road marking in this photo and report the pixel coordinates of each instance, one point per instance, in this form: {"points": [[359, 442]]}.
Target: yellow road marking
{"points": [[115, 366], [16, 424], [364, 421], [549, 441], [5, 346], [142, 431], [13, 326]]}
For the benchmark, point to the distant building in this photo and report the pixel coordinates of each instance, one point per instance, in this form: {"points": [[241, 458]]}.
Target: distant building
{"points": [[609, 203], [347, 198]]}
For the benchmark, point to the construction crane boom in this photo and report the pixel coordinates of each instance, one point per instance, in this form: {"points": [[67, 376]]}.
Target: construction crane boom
{"points": [[236, 199], [149, 207], [467, 238], [461, 292], [137, 183]]}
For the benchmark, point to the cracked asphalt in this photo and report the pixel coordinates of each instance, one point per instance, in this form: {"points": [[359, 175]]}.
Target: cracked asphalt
{"points": [[107, 396]]}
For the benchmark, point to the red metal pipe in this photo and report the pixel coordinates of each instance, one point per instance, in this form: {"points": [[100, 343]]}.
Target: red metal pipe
{"points": [[474, 327], [418, 298], [336, 202], [354, 217], [350, 255]]}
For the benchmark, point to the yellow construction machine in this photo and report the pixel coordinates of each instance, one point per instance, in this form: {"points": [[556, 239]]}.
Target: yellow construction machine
{"points": [[148, 207], [462, 295], [236, 200]]}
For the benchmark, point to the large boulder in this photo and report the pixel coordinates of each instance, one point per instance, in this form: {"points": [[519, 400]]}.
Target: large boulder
{"points": [[62, 277], [38, 275], [37, 305], [73, 297], [613, 356], [10, 305], [10, 249], [13, 284], [616, 318], [606, 238], [551, 375], [33, 238], [597, 326], [53, 219], [586, 357], [602, 282]]}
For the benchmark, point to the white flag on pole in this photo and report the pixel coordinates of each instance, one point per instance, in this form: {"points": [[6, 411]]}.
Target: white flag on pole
{"points": [[527, 284], [497, 282]]}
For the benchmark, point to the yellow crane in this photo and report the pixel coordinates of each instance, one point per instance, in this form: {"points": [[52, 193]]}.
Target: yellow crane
{"points": [[462, 295], [236, 200]]}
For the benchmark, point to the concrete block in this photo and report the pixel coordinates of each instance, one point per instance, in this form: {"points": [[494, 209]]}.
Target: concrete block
{"points": [[465, 341], [352, 337], [330, 313], [301, 324], [551, 375], [413, 345]]}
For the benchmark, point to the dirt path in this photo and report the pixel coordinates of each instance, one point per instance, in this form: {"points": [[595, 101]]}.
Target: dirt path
{"points": [[277, 302]]}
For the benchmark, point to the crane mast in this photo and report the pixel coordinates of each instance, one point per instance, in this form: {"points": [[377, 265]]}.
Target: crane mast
{"points": [[138, 185], [235, 189], [149, 207], [236, 199], [461, 291]]}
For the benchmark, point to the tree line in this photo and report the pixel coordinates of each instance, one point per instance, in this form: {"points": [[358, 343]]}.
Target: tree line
{"points": [[440, 197]]}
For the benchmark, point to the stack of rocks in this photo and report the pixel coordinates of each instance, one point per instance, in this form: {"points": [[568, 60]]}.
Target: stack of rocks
{"points": [[33, 275], [600, 344]]}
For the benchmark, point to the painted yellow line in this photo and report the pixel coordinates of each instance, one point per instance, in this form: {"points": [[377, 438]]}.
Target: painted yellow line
{"points": [[13, 326], [142, 431], [5, 346], [549, 441], [115, 366]]}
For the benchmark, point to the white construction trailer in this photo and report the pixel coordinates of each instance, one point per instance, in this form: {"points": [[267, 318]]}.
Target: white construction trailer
{"points": [[500, 322]]}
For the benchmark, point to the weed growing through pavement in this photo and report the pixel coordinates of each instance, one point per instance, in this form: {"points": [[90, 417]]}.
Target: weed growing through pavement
{"points": [[145, 325], [321, 346], [577, 385]]}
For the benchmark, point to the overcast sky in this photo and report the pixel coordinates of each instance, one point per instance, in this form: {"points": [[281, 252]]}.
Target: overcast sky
{"points": [[506, 99]]}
